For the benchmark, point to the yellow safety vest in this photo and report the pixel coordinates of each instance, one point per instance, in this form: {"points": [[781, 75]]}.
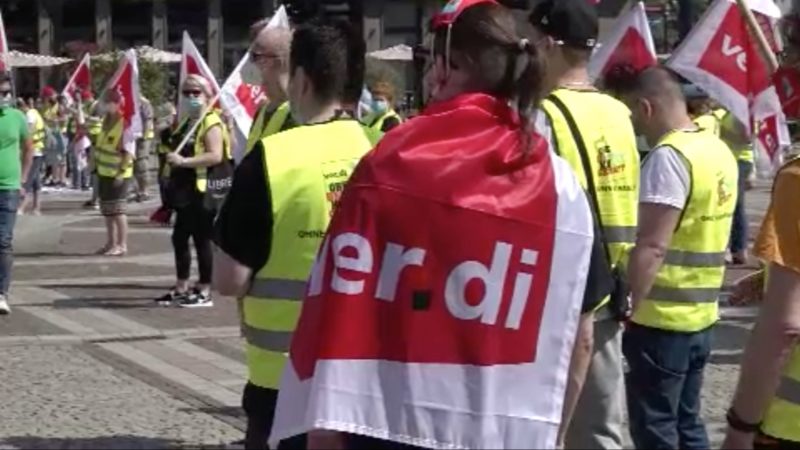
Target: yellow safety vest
{"points": [[377, 122], [108, 158], [708, 122], [605, 129], [261, 130], [210, 120], [686, 289], [39, 134], [308, 168], [51, 116]]}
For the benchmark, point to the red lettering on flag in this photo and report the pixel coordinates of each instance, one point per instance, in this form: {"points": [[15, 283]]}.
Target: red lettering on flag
{"points": [[768, 135]]}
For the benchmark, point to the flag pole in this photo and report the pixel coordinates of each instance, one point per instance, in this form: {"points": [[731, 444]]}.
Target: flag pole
{"points": [[755, 30]]}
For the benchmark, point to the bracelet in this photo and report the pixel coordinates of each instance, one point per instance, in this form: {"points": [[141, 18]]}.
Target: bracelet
{"points": [[736, 423]]}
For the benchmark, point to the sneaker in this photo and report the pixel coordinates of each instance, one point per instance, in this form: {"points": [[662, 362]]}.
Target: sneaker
{"points": [[197, 299], [172, 297], [4, 308]]}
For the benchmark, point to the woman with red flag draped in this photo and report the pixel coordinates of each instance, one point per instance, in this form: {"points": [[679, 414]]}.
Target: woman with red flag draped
{"points": [[446, 298]]}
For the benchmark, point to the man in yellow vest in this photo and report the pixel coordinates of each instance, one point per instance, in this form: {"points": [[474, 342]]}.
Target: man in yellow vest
{"points": [[271, 54], [33, 188], [676, 269], [278, 209], [735, 135], [383, 117], [144, 148], [765, 411], [593, 132]]}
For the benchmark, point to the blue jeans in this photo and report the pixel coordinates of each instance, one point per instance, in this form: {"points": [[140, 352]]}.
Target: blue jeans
{"points": [[9, 202], [663, 387], [739, 228]]}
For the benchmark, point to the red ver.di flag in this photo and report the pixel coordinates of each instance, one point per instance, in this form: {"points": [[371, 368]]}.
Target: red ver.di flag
{"points": [[5, 64], [630, 42], [722, 58], [80, 80], [126, 82], [456, 332], [242, 98], [192, 63]]}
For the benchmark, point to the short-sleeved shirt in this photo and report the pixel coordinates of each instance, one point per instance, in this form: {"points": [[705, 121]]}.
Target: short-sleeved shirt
{"points": [[13, 133], [665, 178], [778, 240]]}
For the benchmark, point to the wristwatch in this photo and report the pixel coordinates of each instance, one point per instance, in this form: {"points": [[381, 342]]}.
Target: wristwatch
{"points": [[736, 423]]}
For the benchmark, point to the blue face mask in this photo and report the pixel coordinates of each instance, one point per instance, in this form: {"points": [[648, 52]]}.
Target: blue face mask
{"points": [[193, 105], [380, 106]]}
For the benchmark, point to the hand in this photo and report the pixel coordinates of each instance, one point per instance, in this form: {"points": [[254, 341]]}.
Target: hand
{"points": [[748, 290], [175, 159], [738, 440], [326, 439]]}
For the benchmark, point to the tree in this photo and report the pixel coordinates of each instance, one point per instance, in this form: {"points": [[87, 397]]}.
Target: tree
{"points": [[153, 77]]}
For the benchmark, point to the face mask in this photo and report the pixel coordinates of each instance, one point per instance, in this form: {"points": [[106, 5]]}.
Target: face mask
{"points": [[380, 106], [6, 101], [193, 105]]}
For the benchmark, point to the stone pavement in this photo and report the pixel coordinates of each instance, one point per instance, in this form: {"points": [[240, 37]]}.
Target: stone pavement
{"points": [[89, 361]]}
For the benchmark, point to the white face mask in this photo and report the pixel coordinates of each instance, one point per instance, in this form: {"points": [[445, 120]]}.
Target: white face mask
{"points": [[6, 101]]}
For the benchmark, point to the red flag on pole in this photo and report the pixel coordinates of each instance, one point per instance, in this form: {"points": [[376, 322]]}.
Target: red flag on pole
{"points": [[125, 82], [193, 63], [4, 62], [722, 58], [80, 80], [630, 42]]}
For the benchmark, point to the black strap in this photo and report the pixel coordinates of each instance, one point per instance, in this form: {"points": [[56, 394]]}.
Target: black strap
{"points": [[587, 167]]}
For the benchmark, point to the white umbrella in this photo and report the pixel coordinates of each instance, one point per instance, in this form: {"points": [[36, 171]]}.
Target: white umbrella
{"points": [[144, 52], [22, 59], [399, 52]]}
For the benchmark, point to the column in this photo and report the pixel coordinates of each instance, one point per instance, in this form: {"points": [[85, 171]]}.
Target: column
{"points": [[102, 16], [45, 32], [268, 7], [215, 36], [160, 32], [373, 25]]}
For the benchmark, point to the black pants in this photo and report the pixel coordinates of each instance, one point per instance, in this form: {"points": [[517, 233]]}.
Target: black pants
{"points": [[259, 405], [196, 222]]}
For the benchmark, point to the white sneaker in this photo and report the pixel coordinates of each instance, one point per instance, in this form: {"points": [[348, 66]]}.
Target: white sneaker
{"points": [[4, 308]]}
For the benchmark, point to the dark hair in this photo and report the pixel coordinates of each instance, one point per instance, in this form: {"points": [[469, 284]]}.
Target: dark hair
{"points": [[5, 77], [485, 42], [332, 56]]}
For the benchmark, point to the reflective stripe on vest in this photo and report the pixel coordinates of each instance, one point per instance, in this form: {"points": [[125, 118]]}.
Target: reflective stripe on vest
{"points": [[782, 419], [210, 120], [307, 168], [107, 155], [685, 292], [261, 130], [377, 123], [611, 146]]}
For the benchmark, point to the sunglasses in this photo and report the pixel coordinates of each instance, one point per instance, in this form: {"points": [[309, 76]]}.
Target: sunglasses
{"points": [[192, 93]]}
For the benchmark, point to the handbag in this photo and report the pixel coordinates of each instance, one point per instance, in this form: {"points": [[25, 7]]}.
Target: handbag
{"points": [[620, 306], [218, 183]]}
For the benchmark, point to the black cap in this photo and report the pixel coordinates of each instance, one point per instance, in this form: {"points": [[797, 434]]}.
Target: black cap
{"points": [[573, 22]]}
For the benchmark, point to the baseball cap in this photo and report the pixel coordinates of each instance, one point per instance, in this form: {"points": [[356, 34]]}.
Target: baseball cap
{"points": [[572, 22], [48, 91], [453, 9]]}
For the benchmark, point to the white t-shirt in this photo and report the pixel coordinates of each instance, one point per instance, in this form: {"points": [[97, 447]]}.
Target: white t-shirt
{"points": [[31, 116], [665, 178]]}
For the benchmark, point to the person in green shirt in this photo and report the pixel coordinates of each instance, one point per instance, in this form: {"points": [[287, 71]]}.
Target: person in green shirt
{"points": [[16, 156]]}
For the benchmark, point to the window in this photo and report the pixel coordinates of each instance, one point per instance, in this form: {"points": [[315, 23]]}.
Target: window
{"points": [[131, 22], [189, 15]]}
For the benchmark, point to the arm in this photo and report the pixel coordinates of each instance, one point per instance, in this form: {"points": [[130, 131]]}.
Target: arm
{"points": [[26, 158], [578, 368], [771, 342], [213, 154], [230, 277], [657, 223]]}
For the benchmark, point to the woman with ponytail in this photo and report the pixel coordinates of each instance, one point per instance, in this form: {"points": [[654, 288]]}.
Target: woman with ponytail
{"points": [[444, 304]]}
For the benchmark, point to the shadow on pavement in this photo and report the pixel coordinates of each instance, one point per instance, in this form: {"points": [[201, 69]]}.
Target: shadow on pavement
{"points": [[49, 255], [106, 286], [105, 303], [102, 442]]}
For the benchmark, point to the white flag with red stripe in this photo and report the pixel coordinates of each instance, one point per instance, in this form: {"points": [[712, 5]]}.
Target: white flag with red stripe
{"points": [[126, 83], [722, 58], [80, 79], [193, 63], [630, 42], [241, 99], [4, 61]]}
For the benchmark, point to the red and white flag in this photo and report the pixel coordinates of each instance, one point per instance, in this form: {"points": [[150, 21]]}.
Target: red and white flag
{"points": [[241, 99], [722, 58], [630, 42], [193, 63], [5, 64], [126, 83], [80, 80]]}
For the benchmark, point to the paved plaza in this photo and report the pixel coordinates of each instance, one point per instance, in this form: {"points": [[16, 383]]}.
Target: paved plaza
{"points": [[89, 360]]}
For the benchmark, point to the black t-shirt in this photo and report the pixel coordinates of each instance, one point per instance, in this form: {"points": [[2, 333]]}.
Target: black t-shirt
{"points": [[390, 123]]}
